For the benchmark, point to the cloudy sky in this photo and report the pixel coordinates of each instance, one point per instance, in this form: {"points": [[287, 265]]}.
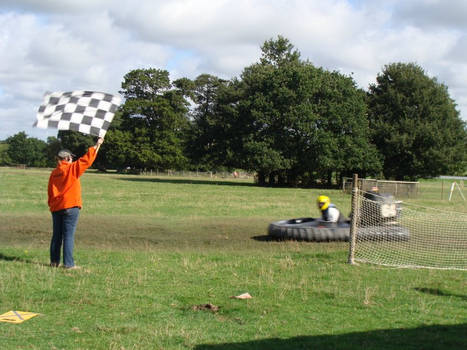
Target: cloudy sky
{"points": [[63, 45]]}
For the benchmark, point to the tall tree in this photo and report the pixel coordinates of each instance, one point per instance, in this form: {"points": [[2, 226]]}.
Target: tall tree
{"points": [[301, 123], [210, 132], [415, 124], [155, 115], [26, 150]]}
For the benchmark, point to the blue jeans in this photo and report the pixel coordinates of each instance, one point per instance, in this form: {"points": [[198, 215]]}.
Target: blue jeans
{"points": [[64, 226]]}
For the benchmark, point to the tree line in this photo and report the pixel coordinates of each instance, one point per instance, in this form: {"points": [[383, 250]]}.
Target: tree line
{"points": [[283, 118]]}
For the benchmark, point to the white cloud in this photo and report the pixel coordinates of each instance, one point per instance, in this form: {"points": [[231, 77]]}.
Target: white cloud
{"points": [[57, 6], [63, 45], [433, 13]]}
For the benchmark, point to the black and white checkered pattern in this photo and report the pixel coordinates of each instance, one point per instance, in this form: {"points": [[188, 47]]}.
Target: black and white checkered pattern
{"points": [[89, 112]]}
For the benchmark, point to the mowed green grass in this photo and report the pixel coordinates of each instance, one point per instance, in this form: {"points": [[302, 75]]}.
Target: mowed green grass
{"points": [[155, 250]]}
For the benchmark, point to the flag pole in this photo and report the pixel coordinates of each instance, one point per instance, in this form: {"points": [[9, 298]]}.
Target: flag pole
{"points": [[99, 142]]}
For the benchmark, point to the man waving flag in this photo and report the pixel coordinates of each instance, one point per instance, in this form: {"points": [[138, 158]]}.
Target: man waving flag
{"points": [[89, 112]]}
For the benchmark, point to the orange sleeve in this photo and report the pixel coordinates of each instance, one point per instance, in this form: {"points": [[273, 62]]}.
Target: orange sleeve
{"points": [[79, 167]]}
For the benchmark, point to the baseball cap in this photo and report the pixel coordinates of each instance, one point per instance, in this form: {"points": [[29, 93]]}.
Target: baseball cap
{"points": [[65, 153]]}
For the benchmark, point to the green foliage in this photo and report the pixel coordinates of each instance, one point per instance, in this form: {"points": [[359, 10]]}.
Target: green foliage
{"points": [[76, 142], [32, 152], [117, 151], [20, 149], [278, 52], [153, 121], [415, 124], [26, 150], [301, 123], [53, 147], [211, 131], [342, 134], [284, 119], [145, 84], [4, 157]]}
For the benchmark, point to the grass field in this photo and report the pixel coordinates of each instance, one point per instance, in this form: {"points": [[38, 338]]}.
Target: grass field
{"points": [[160, 254]]}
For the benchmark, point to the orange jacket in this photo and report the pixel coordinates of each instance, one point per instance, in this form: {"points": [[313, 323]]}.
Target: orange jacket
{"points": [[64, 189]]}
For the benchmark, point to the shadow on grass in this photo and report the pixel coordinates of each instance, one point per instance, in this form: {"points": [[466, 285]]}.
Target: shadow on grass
{"points": [[427, 337], [12, 258], [267, 238], [434, 291], [19, 259], [190, 181]]}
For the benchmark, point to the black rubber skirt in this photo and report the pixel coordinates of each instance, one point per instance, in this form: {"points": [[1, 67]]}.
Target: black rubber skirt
{"points": [[315, 230]]}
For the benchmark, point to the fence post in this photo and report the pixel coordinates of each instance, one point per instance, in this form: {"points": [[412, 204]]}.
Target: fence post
{"points": [[354, 218]]}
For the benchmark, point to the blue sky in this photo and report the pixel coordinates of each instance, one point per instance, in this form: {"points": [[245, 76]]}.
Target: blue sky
{"points": [[63, 45]]}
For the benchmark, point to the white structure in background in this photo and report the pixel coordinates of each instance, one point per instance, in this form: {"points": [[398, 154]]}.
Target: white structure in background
{"points": [[455, 184]]}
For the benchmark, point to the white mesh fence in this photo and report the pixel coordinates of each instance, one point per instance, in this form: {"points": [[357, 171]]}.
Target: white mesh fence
{"points": [[399, 234]]}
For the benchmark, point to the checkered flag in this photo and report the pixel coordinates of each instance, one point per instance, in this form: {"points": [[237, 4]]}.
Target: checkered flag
{"points": [[89, 112]]}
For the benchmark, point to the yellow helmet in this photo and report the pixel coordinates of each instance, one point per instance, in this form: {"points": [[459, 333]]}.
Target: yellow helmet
{"points": [[323, 202]]}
